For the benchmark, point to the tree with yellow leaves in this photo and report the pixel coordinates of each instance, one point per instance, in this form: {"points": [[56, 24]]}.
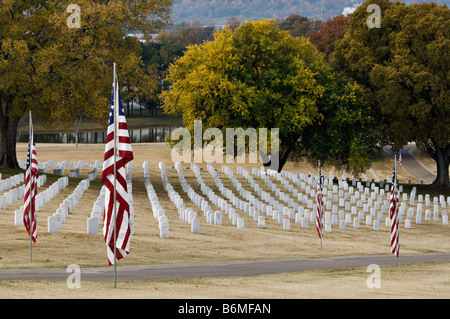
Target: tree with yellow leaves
{"points": [[58, 64], [259, 76]]}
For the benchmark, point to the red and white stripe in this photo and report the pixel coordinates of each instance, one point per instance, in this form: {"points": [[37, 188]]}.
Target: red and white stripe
{"points": [[319, 208], [123, 156], [393, 215], [31, 177]]}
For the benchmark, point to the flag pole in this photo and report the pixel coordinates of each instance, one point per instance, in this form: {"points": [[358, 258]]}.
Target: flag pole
{"points": [[318, 209], [30, 151], [396, 205], [115, 152], [321, 211]]}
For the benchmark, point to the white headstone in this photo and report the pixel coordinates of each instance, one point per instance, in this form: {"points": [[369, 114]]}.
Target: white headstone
{"points": [[52, 224], [305, 222], [92, 225], [368, 220], [164, 230], [407, 223], [388, 222], [280, 219], [195, 226], [218, 218], [261, 222], [376, 225], [334, 219], [240, 223], [418, 219], [234, 219], [287, 224], [356, 222], [348, 218], [427, 214], [18, 217]]}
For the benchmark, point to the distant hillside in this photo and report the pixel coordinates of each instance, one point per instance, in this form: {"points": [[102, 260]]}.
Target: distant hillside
{"points": [[219, 11]]}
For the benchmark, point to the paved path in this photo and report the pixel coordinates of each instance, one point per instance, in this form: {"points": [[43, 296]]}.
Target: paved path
{"points": [[220, 269], [412, 165]]}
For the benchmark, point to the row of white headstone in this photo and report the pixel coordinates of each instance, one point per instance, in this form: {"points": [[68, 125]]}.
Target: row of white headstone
{"points": [[10, 182], [225, 206], [185, 214], [128, 168], [56, 221], [163, 222], [41, 198], [303, 216], [375, 212], [98, 208], [268, 205], [18, 193], [14, 194], [59, 167], [97, 212], [157, 210], [151, 193], [213, 218]]}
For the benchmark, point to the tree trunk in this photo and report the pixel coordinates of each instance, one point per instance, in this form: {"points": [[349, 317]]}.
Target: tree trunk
{"points": [[442, 158], [8, 132], [276, 163]]}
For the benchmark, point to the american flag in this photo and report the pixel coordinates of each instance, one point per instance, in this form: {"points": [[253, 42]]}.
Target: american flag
{"points": [[400, 159], [31, 177], [124, 155], [393, 215], [319, 213]]}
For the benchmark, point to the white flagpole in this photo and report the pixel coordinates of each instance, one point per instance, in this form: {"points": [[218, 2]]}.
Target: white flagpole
{"points": [[116, 117], [320, 217], [30, 154], [396, 202]]}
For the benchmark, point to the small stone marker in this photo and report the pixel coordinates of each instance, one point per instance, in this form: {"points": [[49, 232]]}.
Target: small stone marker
{"points": [[287, 224], [261, 222], [164, 230], [240, 223], [195, 226]]}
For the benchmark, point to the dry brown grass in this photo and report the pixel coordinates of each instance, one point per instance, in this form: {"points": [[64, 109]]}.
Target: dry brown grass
{"points": [[71, 245]]}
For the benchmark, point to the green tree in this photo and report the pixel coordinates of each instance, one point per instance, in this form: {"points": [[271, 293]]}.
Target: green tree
{"points": [[299, 26], [157, 57], [261, 77], [184, 35], [61, 73], [405, 64]]}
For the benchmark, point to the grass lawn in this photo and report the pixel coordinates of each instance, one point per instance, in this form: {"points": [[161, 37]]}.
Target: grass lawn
{"points": [[71, 245]]}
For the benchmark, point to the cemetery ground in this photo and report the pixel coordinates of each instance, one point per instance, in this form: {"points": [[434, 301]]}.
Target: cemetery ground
{"points": [[72, 245]]}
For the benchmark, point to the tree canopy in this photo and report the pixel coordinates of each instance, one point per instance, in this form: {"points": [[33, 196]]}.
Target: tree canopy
{"points": [[61, 72], [261, 77], [405, 65], [330, 33]]}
